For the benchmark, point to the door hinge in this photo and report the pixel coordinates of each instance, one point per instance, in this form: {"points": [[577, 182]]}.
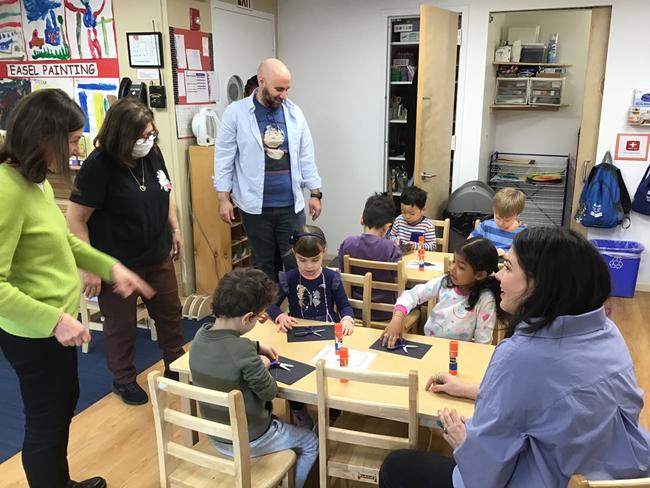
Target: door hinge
{"points": [[459, 37], [453, 143]]}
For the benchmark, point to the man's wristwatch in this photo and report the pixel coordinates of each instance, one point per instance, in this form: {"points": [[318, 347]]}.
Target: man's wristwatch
{"points": [[317, 194]]}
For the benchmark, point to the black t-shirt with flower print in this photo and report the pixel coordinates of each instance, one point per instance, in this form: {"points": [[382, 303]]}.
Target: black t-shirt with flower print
{"points": [[130, 220]]}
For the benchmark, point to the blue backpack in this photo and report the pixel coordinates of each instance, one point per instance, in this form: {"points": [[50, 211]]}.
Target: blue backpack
{"points": [[641, 202], [604, 201]]}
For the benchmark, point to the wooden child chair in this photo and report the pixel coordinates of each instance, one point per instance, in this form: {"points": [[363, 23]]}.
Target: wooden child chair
{"points": [[396, 286], [443, 242], [355, 447], [365, 283], [202, 466]]}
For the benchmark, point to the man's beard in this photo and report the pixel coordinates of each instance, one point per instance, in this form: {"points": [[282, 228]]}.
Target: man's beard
{"points": [[268, 100]]}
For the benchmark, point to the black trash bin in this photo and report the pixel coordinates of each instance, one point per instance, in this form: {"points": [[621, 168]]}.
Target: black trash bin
{"points": [[470, 201]]}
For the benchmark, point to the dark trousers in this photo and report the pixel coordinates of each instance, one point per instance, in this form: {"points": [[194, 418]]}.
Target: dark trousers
{"points": [[120, 320], [47, 372], [268, 234], [408, 468]]}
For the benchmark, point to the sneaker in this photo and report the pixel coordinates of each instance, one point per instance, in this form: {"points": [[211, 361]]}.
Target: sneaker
{"points": [[95, 482], [131, 393], [171, 375], [301, 418]]}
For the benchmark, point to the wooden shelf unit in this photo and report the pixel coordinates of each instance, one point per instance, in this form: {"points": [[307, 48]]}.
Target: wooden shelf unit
{"points": [[542, 65], [218, 247], [523, 106]]}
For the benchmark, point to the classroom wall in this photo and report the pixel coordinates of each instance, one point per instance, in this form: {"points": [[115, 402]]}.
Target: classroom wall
{"points": [[337, 53]]}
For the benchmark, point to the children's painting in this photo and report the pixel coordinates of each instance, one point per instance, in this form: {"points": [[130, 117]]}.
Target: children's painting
{"points": [[65, 84], [12, 45], [68, 29], [90, 29], [43, 25], [95, 96], [10, 92]]}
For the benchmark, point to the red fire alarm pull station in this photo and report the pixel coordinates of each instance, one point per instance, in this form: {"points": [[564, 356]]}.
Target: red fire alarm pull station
{"points": [[195, 19]]}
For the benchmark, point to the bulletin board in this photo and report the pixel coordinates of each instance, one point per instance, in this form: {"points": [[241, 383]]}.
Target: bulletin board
{"points": [[192, 66], [68, 45]]}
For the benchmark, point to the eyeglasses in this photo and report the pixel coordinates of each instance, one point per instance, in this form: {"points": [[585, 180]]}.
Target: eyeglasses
{"points": [[151, 137]]}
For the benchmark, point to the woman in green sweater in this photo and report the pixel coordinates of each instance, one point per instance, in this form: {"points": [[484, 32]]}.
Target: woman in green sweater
{"points": [[39, 281]]}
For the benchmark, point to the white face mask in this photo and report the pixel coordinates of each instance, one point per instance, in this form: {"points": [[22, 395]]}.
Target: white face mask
{"points": [[141, 150]]}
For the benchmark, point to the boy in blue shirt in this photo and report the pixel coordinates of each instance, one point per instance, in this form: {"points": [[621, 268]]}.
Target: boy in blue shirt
{"points": [[507, 204]]}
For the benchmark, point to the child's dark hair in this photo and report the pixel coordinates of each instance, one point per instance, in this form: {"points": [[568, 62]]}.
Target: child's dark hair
{"points": [[412, 195], [241, 291], [379, 211], [308, 241], [481, 255]]}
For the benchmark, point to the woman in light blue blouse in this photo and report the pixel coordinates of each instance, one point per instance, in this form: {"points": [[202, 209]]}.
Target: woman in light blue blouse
{"points": [[560, 394]]}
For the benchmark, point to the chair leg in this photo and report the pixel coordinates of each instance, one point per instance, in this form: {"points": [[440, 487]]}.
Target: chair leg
{"points": [[152, 328], [289, 480]]}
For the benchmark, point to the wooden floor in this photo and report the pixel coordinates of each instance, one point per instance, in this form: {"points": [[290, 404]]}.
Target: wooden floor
{"points": [[117, 441]]}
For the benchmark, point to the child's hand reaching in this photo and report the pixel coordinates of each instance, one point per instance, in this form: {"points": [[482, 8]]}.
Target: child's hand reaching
{"points": [[348, 325], [285, 322], [500, 252], [393, 331], [268, 351], [265, 361]]}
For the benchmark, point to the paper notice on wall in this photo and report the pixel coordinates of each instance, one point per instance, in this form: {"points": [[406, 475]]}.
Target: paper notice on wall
{"points": [[197, 87], [206, 46], [179, 41], [193, 59], [213, 85], [184, 116], [181, 84], [147, 74]]}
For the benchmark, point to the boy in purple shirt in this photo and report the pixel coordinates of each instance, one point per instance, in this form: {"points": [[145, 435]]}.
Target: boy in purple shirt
{"points": [[378, 215]]}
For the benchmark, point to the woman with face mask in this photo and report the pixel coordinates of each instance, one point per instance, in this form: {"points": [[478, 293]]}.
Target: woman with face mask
{"points": [[122, 205]]}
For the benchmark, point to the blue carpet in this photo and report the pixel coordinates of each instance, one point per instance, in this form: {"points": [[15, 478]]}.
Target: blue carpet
{"points": [[94, 381]]}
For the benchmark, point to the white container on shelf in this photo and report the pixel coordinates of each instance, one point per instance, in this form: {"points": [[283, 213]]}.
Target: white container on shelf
{"points": [[511, 91], [546, 91]]}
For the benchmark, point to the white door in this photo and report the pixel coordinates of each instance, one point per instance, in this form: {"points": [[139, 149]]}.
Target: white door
{"points": [[241, 39]]}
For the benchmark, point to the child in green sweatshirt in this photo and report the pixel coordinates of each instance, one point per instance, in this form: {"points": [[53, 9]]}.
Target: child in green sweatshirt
{"points": [[222, 360]]}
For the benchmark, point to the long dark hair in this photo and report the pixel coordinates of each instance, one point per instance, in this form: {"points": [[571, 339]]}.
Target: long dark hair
{"points": [[566, 276], [481, 255], [124, 124], [37, 134]]}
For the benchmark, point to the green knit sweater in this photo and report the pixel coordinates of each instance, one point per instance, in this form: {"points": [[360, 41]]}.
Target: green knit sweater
{"points": [[222, 360], [39, 258]]}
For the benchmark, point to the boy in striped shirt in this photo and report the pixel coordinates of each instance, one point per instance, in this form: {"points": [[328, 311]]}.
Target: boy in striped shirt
{"points": [[507, 204], [411, 223]]}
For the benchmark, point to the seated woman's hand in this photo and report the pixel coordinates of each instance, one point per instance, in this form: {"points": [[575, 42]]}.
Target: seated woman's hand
{"points": [[453, 427], [446, 383], [393, 332], [92, 284], [285, 322], [265, 361], [348, 325]]}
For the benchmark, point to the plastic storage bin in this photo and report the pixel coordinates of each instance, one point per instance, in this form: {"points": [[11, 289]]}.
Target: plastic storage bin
{"points": [[622, 259]]}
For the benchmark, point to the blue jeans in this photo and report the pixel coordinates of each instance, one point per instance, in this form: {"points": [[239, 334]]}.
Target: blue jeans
{"points": [[281, 436], [268, 236]]}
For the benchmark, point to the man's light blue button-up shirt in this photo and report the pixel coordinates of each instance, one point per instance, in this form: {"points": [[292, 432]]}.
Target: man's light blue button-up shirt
{"points": [[239, 156]]}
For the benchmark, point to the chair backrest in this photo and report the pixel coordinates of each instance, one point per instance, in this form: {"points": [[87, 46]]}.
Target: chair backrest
{"points": [[365, 283], [579, 481], [392, 411], [397, 286], [162, 391], [443, 242]]}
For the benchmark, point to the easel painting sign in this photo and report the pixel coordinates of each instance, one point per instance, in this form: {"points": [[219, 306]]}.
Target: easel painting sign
{"points": [[632, 147]]}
